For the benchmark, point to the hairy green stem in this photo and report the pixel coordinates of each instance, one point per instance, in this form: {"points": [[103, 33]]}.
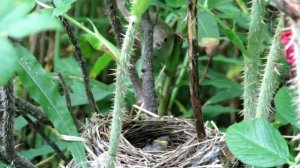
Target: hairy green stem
{"points": [[119, 99], [270, 77], [252, 58]]}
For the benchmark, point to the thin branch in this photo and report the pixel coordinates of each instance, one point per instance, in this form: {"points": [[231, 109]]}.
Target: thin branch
{"points": [[33, 110], [8, 105], [68, 100], [19, 161], [193, 68], [82, 63], [147, 64], [52, 144]]}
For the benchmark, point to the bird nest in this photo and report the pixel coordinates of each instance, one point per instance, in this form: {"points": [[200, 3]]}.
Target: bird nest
{"points": [[138, 146]]}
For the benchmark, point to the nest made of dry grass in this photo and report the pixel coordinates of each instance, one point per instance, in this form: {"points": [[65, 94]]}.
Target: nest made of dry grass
{"points": [[184, 149]]}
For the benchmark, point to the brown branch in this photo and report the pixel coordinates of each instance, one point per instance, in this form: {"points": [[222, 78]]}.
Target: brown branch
{"points": [[193, 68], [147, 64], [33, 110], [82, 63], [68, 100], [18, 161], [52, 144], [204, 74]]}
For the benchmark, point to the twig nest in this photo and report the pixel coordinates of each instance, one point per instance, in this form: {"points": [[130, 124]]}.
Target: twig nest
{"points": [[157, 142]]}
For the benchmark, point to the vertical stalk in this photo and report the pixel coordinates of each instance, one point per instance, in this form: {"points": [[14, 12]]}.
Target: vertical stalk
{"points": [[252, 59], [147, 64], [270, 77], [193, 67], [8, 105], [120, 91]]}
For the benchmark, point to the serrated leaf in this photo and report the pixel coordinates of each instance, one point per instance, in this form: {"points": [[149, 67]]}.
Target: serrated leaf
{"points": [[8, 59], [45, 92], [285, 107], [176, 3], [258, 143]]}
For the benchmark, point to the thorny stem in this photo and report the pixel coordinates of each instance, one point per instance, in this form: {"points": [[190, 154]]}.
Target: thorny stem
{"points": [[33, 110], [252, 59], [193, 68], [117, 27], [147, 64], [18, 161], [8, 105], [7, 153], [271, 76], [82, 63], [119, 99]]}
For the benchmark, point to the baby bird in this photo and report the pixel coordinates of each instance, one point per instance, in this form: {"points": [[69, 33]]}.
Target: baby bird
{"points": [[158, 145]]}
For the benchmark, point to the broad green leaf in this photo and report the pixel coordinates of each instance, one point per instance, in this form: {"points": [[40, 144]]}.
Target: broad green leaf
{"points": [[101, 63], [45, 91], [78, 95], [207, 26], [215, 3], [225, 95], [32, 24], [176, 3], [258, 143], [68, 65], [11, 11], [222, 83], [211, 111], [234, 38], [8, 59], [285, 107]]}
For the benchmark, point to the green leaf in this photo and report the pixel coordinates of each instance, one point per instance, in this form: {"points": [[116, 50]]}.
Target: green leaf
{"points": [[208, 27], [101, 63], [11, 11], [42, 151], [62, 6], [285, 107], [45, 91], [176, 3], [256, 142], [32, 24], [8, 59], [210, 111], [225, 95], [139, 7]]}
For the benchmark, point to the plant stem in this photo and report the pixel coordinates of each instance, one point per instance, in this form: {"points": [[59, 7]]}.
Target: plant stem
{"points": [[164, 97], [147, 64], [193, 68], [270, 77], [81, 61], [8, 105], [120, 91], [252, 59]]}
